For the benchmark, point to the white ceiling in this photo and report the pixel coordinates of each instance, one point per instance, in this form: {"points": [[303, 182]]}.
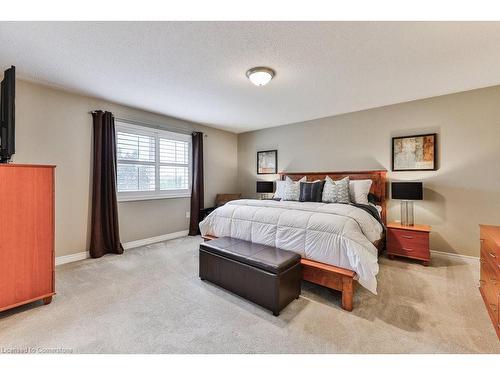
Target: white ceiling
{"points": [[196, 70]]}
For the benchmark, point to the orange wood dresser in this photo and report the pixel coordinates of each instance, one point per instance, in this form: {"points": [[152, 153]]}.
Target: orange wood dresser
{"points": [[489, 282], [409, 241], [26, 234]]}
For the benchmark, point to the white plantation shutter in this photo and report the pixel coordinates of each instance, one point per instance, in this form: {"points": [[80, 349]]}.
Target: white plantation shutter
{"points": [[172, 151], [174, 164], [135, 147], [152, 163], [136, 161]]}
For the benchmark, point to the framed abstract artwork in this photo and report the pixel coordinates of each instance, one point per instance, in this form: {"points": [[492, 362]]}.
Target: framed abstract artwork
{"points": [[414, 153], [267, 162]]}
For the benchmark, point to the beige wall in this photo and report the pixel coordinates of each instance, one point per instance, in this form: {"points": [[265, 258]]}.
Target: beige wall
{"points": [[55, 127], [464, 192]]}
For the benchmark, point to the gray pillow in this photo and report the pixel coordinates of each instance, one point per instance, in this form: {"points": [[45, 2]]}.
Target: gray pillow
{"points": [[292, 189], [336, 191], [311, 191]]}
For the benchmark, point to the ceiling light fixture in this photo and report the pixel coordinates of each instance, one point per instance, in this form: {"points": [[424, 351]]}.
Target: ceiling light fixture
{"points": [[260, 76]]}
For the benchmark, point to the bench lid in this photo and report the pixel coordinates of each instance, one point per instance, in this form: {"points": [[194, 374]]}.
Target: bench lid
{"points": [[267, 258]]}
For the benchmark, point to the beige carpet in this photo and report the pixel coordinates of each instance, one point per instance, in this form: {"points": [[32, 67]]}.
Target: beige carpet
{"points": [[150, 300]]}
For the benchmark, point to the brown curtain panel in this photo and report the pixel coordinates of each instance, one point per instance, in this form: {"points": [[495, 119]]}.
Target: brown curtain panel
{"points": [[197, 190], [104, 232]]}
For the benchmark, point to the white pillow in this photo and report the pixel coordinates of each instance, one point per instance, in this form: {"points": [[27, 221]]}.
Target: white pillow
{"points": [[280, 189], [292, 189], [358, 190]]}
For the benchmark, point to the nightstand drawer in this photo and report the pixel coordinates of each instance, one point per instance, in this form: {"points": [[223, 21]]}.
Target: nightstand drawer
{"points": [[409, 252], [408, 243], [409, 236]]}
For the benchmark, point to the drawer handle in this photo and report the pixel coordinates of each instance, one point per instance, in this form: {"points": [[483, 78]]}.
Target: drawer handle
{"points": [[494, 281], [493, 307], [407, 249], [492, 255], [409, 237]]}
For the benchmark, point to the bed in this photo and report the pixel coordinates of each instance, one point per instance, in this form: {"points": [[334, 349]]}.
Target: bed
{"points": [[338, 243]]}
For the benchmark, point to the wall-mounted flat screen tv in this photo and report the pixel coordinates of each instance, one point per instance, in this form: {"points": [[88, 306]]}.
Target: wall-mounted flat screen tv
{"points": [[7, 116]]}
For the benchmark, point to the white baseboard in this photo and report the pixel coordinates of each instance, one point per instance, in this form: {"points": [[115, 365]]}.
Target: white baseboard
{"points": [[127, 245], [465, 258], [149, 241], [183, 233], [72, 258]]}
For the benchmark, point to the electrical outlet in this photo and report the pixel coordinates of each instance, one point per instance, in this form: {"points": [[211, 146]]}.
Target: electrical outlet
{"points": [[188, 215]]}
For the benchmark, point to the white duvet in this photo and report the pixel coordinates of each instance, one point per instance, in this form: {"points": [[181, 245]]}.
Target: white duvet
{"points": [[336, 234]]}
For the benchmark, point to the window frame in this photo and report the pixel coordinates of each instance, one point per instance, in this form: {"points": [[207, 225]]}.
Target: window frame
{"points": [[126, 196]]}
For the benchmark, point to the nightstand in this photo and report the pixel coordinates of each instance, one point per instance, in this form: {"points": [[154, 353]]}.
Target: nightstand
{"points": [[409, 242], [204, 212]]}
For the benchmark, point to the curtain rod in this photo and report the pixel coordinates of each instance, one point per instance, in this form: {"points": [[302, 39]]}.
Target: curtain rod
{"points": [[154, 126]]}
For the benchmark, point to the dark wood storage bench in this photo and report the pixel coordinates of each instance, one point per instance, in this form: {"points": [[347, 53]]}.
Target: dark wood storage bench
{"points": [[265, 275]]}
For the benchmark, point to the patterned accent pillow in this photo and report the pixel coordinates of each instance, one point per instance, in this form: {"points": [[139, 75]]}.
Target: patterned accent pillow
{"points": [[292, 189], [336, 191], [311, 191], [280, 189]]}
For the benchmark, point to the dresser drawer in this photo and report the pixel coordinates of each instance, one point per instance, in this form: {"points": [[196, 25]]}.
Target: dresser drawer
{"points": [[497, 314], [491, 251], [408, 243], [491, 259], [493, 309], [489, 284]]}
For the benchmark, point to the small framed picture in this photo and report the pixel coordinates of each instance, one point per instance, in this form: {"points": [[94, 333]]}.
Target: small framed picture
{"points": [[414, 153], [267, 162]]}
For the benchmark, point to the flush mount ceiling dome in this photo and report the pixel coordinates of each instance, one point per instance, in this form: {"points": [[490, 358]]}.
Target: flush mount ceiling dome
{"points": [[260, 75]]}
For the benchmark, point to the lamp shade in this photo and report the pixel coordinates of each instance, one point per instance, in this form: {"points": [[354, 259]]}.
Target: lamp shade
{"points": [[412, 191], [265, 186]]}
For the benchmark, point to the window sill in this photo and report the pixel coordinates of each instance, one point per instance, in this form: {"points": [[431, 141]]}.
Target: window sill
{"points": [[150, 197]]}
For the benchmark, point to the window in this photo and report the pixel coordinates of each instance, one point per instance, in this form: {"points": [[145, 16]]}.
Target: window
{"points": [[152, 163]]}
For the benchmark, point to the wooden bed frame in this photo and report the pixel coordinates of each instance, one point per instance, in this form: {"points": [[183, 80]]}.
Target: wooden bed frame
{"points": [[333, 277]]}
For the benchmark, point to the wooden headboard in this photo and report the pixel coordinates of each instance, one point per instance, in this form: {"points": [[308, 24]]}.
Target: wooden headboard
{"points": [[378, 188]]}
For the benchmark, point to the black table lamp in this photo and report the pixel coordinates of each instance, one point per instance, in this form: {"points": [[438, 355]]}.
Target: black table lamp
{"points": [[265, 187], [407, 192]]}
